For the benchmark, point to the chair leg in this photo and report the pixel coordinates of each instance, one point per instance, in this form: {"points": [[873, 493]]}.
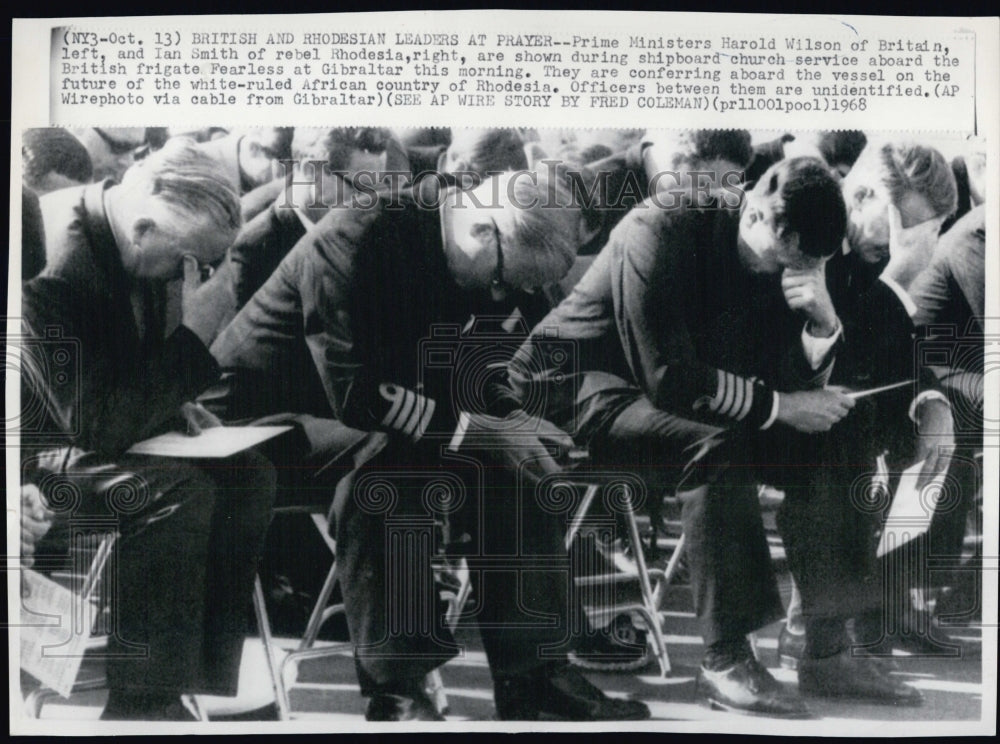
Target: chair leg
{"points": [[434, 687], [675, 561], [588, 498], [264, 626], [318, 615], [655, 511], [652, 610]]}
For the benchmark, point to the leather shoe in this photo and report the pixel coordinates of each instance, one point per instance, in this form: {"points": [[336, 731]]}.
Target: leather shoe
{"points": [[175, 710], [621, 647], [914, 644], [747, 687], [844, 675], [559, 691], [414, 706], [791, 648]]}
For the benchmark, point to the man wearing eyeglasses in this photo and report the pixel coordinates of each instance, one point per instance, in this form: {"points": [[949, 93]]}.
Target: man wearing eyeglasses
{"points": [[404, 303]]}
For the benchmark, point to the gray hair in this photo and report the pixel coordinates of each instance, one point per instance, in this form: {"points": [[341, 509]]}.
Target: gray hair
{"points": [[546, 225], [189, 180]]}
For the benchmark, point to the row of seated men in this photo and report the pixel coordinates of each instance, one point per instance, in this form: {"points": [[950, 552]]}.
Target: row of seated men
{"points": [[439, 351]]}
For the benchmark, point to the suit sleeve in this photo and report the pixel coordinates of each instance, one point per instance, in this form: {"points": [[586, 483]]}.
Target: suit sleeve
{"points": [[110, 399], [649, 295], [328, 281], [931, 292]]}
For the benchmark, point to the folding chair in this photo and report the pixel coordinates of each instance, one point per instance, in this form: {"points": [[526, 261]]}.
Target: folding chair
{"points": [[651, 581], [92, 577], [322, 612]]}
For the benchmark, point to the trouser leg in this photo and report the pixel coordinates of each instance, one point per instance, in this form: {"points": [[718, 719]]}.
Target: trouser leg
{"points": [[385, 541], [829, 527], [523, 606], [732, 578], [242, 515], [180, 576], [735, 590]]}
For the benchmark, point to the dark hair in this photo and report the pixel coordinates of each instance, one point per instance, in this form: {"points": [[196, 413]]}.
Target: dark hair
{"points": [[281, 147], [497, 151], [52, 150], [732, 145], [842, 146], [595, 152], [339, 143], [811, 205], [156, 137]]}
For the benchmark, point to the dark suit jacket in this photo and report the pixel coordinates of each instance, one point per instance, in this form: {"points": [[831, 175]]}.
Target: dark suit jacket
{"points": [[878, 331], [101, 382], [259, 248], [361, 294]]}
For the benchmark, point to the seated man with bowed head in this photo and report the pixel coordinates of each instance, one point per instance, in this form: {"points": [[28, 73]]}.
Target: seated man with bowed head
{"points": [[705, 337], [388, 298], [190, 530], [897, 195]]}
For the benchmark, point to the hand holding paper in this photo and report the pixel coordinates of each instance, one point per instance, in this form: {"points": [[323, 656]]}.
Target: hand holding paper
{"points": [[198, 418]]}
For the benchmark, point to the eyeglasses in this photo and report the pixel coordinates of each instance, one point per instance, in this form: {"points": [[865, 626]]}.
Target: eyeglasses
{"points": [[120, 147], [497, 283]]}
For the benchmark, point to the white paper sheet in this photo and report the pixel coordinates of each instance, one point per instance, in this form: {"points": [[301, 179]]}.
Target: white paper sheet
{"points": [[217, 442], [912, 509], [55, 628]]}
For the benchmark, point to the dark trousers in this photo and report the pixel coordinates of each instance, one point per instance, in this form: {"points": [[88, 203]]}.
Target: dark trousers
{"points": [[951, 520], [828, 539], [388, 517], [190, 532]]}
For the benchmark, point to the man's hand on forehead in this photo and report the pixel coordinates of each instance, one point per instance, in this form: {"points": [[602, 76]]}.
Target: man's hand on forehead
{"points": [[910, 248], [906, 229]]}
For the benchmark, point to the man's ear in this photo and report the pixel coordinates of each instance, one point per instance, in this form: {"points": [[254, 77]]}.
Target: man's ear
{"points": [[141, 227]]}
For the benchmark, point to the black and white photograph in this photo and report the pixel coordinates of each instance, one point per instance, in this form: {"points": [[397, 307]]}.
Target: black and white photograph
{"points": [[419, 428]]}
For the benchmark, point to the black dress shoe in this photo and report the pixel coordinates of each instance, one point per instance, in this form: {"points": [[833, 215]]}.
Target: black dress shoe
{"points": [[915, 644], [139, 708], [791, 648], [747, 687], [621, 647], [558, 691], [415, 706], [916, 636], [865, 678], [267, 712]]}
